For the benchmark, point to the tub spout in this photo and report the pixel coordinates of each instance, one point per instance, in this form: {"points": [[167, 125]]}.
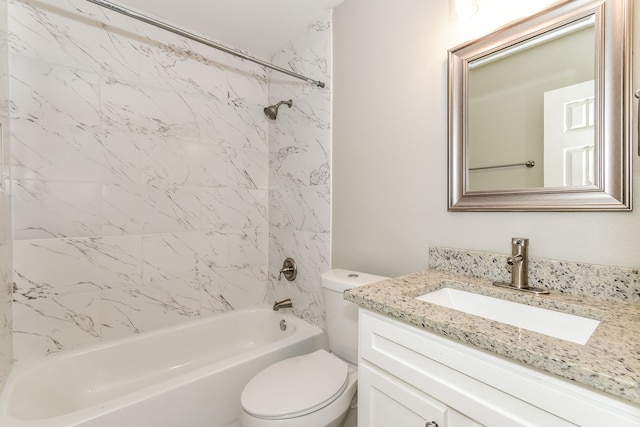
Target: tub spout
{"points": [[282, 304]]}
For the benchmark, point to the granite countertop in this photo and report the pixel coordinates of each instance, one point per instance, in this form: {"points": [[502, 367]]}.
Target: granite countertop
{"points": [[609, 361]]}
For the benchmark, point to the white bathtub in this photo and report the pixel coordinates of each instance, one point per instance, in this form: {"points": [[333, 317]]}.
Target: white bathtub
{"points": [[190, 375]]}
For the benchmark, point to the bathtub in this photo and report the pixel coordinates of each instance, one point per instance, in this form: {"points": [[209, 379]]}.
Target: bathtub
{"points": [[190, 375]]}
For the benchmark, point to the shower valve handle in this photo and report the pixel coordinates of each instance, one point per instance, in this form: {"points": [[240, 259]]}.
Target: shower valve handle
{"points": [[289, 270]]}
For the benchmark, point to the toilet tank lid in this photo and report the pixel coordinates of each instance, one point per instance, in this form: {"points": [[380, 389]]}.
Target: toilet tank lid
{"points": [[340, 280]]}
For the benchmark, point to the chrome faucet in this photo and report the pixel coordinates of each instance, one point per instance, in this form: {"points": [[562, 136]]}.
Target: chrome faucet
{"points": [[519, 264], [286, 303]]}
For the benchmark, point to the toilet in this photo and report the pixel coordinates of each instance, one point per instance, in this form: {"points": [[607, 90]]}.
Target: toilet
{"points": [[316, 389]]}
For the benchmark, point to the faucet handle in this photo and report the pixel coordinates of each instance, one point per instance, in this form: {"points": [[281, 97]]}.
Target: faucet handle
{"points": [[289, 270], [513, 260]]}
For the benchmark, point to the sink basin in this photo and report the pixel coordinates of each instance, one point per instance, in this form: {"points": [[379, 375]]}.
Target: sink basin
{"points": [[565, 326]]}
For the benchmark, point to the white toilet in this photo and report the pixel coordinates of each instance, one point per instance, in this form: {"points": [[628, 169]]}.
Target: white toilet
{"points": [[314, 390]]}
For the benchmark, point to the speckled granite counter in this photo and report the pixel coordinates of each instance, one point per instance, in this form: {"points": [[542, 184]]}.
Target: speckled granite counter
{"points": [[609, 361]]}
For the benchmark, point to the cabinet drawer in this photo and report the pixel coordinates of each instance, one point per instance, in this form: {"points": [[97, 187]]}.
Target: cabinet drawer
{"points": [[449, 374], [386, 402]]}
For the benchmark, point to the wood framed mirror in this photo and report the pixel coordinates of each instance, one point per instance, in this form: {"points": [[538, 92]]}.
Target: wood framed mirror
{"points": [[540, 112]]}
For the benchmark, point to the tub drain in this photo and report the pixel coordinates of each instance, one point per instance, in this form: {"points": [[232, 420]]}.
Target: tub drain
{"points": [[283, 325]]}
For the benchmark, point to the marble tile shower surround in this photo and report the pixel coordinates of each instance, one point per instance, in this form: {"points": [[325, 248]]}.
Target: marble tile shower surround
{"points": [[611, 283], [6, 281], [299, 172], [141, 166]]}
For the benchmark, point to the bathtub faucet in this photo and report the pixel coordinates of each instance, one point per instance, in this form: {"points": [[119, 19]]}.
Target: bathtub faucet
{"points": [[286, 303]]}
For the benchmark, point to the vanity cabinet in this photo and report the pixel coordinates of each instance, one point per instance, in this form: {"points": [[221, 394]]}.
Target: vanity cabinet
{"points": [[411, 377], [391, 402]]}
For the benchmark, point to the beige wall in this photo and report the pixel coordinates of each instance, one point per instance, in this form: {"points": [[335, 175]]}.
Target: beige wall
{"points": [[390, 148]]}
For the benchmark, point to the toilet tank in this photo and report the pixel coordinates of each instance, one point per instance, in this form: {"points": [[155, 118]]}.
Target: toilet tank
{"points": [[342, 316]]}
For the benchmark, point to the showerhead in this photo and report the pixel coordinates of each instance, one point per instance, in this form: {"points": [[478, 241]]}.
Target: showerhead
{"points": [[272, 111]]}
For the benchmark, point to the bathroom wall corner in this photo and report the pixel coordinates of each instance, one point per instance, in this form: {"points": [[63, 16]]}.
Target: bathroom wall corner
{"points": [[299, 171]]}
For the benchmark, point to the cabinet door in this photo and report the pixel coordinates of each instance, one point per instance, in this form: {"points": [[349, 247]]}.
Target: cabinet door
{"points": [[385, 401]]}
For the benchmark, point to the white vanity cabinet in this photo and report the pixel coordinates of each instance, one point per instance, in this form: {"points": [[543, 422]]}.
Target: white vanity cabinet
{"points": [[410, 377], [391, 402]]}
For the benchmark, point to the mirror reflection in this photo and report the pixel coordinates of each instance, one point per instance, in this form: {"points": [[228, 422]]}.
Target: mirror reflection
{"points": [[531, 112], [539, 112]]}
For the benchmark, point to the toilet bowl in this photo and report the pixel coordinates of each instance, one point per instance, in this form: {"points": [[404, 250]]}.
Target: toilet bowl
{"points": [[316, 389], [313, 390]]}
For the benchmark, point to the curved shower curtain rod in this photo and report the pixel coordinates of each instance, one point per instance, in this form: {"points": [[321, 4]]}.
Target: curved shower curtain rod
{"points": [[156, 23]]}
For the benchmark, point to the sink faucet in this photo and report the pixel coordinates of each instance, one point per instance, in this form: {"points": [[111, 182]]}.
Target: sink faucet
{"points": [[519, 263], [286, 303]]}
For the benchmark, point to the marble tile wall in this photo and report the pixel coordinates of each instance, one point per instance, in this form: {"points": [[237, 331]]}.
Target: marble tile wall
{"points": [[6, 283], [140, 175], [299, 172]]}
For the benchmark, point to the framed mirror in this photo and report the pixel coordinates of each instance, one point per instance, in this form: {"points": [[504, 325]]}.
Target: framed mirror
{"points": [[540, 112]]}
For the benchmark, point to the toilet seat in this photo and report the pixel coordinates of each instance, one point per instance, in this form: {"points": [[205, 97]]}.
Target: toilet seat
{"points": [[295, 387]]}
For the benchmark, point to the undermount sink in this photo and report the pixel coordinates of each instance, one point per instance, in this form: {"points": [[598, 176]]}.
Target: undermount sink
{"points": [[565, 326]]}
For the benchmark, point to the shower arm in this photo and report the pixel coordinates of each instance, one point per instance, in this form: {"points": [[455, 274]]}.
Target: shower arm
{"points": [[288, 103], [167, 27]]}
